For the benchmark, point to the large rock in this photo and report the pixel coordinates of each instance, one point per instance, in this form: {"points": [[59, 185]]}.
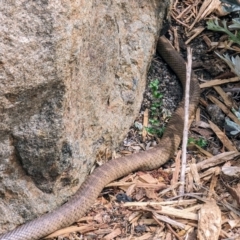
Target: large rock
{"points": [[72, 74]]}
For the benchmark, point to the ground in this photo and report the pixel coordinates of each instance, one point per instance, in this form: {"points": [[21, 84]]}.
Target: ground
{"points": [[146, 204]]}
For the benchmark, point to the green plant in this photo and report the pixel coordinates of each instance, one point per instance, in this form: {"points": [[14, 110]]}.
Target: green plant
{"points": [[213, 25], [230, 5], [232, 127], [201, 142], [155, 127], [232, 62]]}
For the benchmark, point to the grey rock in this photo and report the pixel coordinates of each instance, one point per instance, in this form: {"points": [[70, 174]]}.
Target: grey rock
{"points": [[72, 74]]}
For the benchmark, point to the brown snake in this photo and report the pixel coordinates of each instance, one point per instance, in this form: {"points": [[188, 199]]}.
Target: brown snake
{"points": [[84, 198]]}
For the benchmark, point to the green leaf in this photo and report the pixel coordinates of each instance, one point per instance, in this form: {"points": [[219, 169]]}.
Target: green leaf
{"points": [[236, 112], [235, 25], [213, 25], [233, 63], [201, 142], [232, 127], [151, 120], [230, 5], [157, 94], [150, 130], [191, 140]]}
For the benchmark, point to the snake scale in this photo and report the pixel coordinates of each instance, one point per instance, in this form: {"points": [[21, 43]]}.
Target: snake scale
{"points": [[84, 198]]}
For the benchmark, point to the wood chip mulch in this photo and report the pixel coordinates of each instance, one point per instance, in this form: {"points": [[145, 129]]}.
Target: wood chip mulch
{"points": [[147, 204]]}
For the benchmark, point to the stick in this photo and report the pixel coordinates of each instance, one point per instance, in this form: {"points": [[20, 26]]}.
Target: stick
{"points": [[186, 118]]}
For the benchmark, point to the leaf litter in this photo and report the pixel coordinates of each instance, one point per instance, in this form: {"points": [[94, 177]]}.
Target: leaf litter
{"points": [[147, 204]]}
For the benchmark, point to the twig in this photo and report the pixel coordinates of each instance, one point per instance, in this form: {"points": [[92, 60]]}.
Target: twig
{"points": [[180, 22], [173, 232], [218, 82], [168, 220], [234, 89], [176, 42], [186, 118], [155, 218]]}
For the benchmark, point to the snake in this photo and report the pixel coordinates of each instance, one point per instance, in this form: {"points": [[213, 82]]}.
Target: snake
{"points": [[114, 169]]}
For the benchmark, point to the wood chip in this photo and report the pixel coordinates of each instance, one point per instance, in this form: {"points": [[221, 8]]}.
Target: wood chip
{"points": [[159, 204], [166, 210], [202, 124], [207, 7], [222, 137], [189, 182], [224, 96], [169, 220], [70, 229], [206, 133], [195, 33], [145, 124], [195, 175], [218, 159], [209, 172], [213, 184], [235, 192], [218, 82], [209, 224], [225, 109], [206, 153], [147, 178], [159, 186], [180, 213], [113, 234], [176, 172]]}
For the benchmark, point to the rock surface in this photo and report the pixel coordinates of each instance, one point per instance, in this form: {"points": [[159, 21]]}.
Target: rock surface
{"points": [[72, 74]]}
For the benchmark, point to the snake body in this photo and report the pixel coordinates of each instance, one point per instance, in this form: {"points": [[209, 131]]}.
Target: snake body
{"points": [[84, 198]]}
